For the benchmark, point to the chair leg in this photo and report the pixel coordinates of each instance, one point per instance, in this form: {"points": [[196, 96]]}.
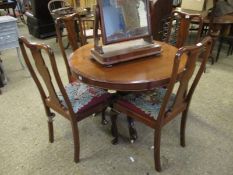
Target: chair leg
{"points": [[132, 131], [76, 141], [104, 121], [229, 50], [219, 49], [50, 116], [157, 139], [182, 127], [114, 128], [50, 127]]}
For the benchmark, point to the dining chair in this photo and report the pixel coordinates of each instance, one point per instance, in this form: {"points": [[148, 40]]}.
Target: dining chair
{"points": [[158, 107], [59, 7], [72, 23], [177, 29], [75, 101]]}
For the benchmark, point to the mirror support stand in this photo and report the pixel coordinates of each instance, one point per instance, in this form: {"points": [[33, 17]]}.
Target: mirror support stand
{"points": [[98, 47]]}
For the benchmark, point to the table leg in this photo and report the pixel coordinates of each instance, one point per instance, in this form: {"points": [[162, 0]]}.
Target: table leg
{"points": [[20, 61], [14, 12], [219, 48]]}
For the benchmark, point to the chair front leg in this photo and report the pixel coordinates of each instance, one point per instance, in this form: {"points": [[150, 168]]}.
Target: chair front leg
{"points": [[76, 141], [50, 127], [132, 131], [157, 139], [182, 127]]}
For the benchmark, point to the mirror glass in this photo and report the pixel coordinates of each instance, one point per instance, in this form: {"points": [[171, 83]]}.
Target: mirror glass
{"points": [[124, 19]]}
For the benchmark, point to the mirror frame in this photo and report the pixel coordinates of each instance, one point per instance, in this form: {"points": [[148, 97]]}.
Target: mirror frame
{"points": [[103, 31]]}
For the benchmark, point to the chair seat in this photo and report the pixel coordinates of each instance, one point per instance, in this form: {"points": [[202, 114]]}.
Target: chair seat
{"points": [[146, 103], [83, 97]]}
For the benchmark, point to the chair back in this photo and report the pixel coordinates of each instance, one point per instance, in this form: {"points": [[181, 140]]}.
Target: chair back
{"points": [[57, 4], [73, 26], [184, 93], [44, 74], [177, 30]]}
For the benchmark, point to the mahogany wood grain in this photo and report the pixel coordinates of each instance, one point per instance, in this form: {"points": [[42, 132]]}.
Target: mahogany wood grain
{"points": [[137, 75]]}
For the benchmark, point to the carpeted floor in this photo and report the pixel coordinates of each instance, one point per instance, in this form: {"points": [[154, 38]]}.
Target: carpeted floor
{"points": [[25, 150]]}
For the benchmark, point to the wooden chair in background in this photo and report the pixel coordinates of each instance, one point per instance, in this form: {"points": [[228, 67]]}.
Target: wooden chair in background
{"points": [[59, 7], [75, 101], [177, 30], [158, 107], [75, 36]]}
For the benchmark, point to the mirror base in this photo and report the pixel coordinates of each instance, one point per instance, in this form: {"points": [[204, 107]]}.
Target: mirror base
{"points": [[125, 51]]}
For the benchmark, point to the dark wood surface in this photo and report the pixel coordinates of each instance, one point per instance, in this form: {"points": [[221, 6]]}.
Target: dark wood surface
{"points": [[9, 5], [137, 75], [160, 12]]}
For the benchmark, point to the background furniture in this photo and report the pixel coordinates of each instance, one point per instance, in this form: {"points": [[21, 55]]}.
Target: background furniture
{"points": [[74, 102], [158, 107], [9, 35], [73, 26], [177, 30], [40, 22], [3, 78], [9, 4], [160, 12]]}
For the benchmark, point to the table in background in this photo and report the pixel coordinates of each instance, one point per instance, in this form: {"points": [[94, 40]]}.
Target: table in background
{"points": [[9, 5], [9, 35]]}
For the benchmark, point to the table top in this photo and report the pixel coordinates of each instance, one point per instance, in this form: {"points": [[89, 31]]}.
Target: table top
{"points": [[137, 75]]}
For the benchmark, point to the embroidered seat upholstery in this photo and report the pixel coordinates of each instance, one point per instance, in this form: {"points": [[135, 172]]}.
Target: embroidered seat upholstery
{"points": [[146, 103], [83, 96]]}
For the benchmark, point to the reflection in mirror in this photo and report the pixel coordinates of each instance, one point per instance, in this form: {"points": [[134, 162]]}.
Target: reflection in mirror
{"points": [[124, 19]]}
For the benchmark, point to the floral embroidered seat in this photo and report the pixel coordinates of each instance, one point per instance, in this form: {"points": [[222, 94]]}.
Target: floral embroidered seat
{"points": [[83, 96], [146, 103]]}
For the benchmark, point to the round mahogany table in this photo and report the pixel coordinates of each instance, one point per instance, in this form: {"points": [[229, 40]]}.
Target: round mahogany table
{"points": [[135, 75]]}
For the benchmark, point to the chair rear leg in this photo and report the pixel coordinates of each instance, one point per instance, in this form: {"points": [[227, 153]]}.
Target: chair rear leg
{"points": [[182, 127], [104, 121], [157, 139], [76, 141], [114, 128], [132, 131]]}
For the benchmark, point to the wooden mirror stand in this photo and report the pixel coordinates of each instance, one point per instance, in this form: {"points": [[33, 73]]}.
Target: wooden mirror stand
{"points": [[125, 50]]}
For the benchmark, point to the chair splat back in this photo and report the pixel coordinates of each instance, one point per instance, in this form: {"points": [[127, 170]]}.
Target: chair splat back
{"points": [[178, 28], [36, 50], [73, 26], [184, 93]]}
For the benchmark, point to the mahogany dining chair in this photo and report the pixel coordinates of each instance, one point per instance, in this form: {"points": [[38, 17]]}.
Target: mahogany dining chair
{"points": [[75, 38], [75, 101], [177, 30], [158, 107]]}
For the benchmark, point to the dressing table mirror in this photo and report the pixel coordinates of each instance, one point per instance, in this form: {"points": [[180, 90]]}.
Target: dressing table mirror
{"points": [[125, 29]]}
